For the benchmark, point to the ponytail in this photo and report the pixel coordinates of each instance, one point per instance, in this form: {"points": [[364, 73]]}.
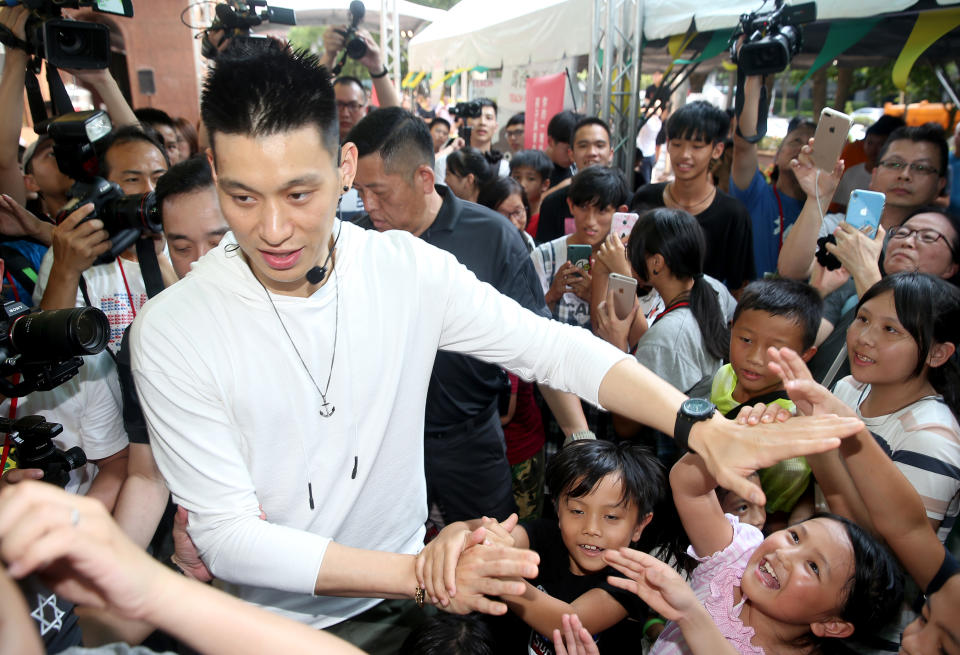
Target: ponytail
{"points": [[706, 309]]}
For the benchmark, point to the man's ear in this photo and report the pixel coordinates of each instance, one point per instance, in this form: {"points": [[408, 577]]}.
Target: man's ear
{"points": [[623, 209], [212, 161], [544, 185], [834, 628], [348, 164], [638, 529], [940, 353], [424, 178], [808, 354], [717, 150], [570, 205]]}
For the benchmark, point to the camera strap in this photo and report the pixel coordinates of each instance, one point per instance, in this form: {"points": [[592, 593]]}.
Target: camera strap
{"points": [[11, 40], [149, 267], [762, 110]]}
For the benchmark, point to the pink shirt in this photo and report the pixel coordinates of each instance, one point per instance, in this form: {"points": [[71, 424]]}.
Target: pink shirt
{"points": [[713, 582]]}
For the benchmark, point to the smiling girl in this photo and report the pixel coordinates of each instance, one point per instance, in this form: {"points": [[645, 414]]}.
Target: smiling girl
{"points": [[905, 383]]}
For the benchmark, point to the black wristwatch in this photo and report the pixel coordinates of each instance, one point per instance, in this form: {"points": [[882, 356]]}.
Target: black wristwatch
{"points": [[693, 410]]}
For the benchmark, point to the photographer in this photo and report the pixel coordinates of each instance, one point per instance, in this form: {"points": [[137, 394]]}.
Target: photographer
{"points": [[40, 174], [353, 102], [135, 162]]}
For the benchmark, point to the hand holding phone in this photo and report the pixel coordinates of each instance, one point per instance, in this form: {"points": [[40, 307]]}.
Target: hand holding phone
{"points": [[830, 137], [579, 255], [622, 224], [624, 294], [864, 210]]}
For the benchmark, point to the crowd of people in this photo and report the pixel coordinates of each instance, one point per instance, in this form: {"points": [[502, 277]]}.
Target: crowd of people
{"points": [[394, 390]]}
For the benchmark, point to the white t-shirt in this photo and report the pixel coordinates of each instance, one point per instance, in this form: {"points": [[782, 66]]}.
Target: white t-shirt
{"points": [[235, 420], [647, 136], [89, 408]]}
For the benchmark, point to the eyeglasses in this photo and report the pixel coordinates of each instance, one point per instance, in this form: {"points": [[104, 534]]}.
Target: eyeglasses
{"points": [[514, 133], [924, 235], [352, 107], [517, 215], [898, 165]]}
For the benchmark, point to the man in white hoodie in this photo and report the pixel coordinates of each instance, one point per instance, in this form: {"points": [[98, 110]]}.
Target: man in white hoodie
{"points": [[290, 371]]}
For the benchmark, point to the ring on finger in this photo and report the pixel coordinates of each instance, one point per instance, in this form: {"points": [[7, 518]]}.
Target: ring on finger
{"points": [[74, 517]]}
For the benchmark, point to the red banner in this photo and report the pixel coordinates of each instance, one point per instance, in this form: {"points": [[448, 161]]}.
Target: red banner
{"points": [[544, 100]]}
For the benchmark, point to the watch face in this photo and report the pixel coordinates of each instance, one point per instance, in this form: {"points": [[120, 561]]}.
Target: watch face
{"points": [[698, 408]]}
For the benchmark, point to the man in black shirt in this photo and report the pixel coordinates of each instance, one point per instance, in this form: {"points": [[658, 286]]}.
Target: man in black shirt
{"points": [[466, 465], [695, 135], [558, 145], [590, 143]]}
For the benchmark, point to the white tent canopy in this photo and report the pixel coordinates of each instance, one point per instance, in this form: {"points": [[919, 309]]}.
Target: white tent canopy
{"points": [[492, 33], [334, 12]]}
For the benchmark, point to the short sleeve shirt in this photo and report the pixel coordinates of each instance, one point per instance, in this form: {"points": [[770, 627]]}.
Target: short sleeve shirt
{"points": [[769, 218]]}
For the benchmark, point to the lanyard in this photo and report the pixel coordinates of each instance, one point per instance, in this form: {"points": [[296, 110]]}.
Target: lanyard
{"points": [[672, 307]]}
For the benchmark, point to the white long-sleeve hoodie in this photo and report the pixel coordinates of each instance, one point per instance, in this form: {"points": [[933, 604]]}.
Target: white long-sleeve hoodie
{"points": [[235, 421]]}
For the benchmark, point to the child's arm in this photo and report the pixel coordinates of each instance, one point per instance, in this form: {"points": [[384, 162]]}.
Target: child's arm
{"points": [[668, 594], [895, 508], [597, 609], [698, 507], [436, 564]]}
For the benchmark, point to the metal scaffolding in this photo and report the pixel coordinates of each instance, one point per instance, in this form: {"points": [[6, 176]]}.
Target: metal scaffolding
{"points": [[390, 39], [614, 73]]}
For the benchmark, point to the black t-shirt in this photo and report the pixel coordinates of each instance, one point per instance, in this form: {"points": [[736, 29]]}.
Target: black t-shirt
{"points": [[949, 568], [56, 621], [515, 636], [554, 211], [559, 174], [728, 231]]}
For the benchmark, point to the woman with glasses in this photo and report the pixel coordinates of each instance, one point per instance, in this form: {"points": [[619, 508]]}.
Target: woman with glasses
{"points": [[506, 196]]}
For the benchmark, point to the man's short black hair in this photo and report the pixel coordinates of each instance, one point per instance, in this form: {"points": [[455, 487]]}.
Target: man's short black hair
{"points": [[561, 125], [269, 91], [350, 79], [487, 102], [188, 176], [792, 299], [517, 119], [584, 122], [129, 134], [698, 121], [801, 121], [885, 125], [927, 133], [534, 159], [439, 121], [598, 186], [154, 116], [401, 139]]}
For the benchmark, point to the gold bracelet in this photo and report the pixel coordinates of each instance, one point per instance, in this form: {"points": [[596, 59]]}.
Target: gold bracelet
{"points": [[419, 595]]}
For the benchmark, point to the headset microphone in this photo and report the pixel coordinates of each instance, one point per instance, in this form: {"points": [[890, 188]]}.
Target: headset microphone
{"points": [[316, 274]]}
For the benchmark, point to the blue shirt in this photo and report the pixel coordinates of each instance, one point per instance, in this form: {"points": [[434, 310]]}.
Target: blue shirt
{"points": [[761, 202], [954, 181]]}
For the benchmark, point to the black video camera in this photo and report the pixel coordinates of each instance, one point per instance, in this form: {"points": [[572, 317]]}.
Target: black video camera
{"points": [[125, 217], [772, 38], [33, 438], [463, 111], [45, 347], [354, 47], [235, 18], [66, 43]]}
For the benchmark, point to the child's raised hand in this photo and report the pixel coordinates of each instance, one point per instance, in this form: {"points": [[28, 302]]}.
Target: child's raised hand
{"points": [[654, 581], [575, 640], [810, 397]]}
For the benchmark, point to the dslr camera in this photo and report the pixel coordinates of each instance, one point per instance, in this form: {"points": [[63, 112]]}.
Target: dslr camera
{"points": [[234, 19], [67, 43], [354, 47], [772, 38], [76, 137], [33, 438], [45, 347]]}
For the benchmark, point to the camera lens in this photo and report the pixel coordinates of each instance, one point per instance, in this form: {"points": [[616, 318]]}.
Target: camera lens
{"points": [[70, 43], [60, 334]]}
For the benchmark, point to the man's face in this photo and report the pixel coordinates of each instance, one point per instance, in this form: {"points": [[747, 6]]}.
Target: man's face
{"points": [[279, 194], [906, 188], [440, 134], [591, 147], [790, 147], [193, 225], [169, 142], [515, 137], [558, 152], [351, 106], [394, 201], [484, 128], [135, 166], [46, 176]]}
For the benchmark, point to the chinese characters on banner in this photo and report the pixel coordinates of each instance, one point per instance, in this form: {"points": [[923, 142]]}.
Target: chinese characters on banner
{"points": [[544, 99]]}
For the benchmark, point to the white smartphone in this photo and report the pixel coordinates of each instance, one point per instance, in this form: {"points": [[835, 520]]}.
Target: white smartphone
{"points": [[624, 294], [830, 137]]}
